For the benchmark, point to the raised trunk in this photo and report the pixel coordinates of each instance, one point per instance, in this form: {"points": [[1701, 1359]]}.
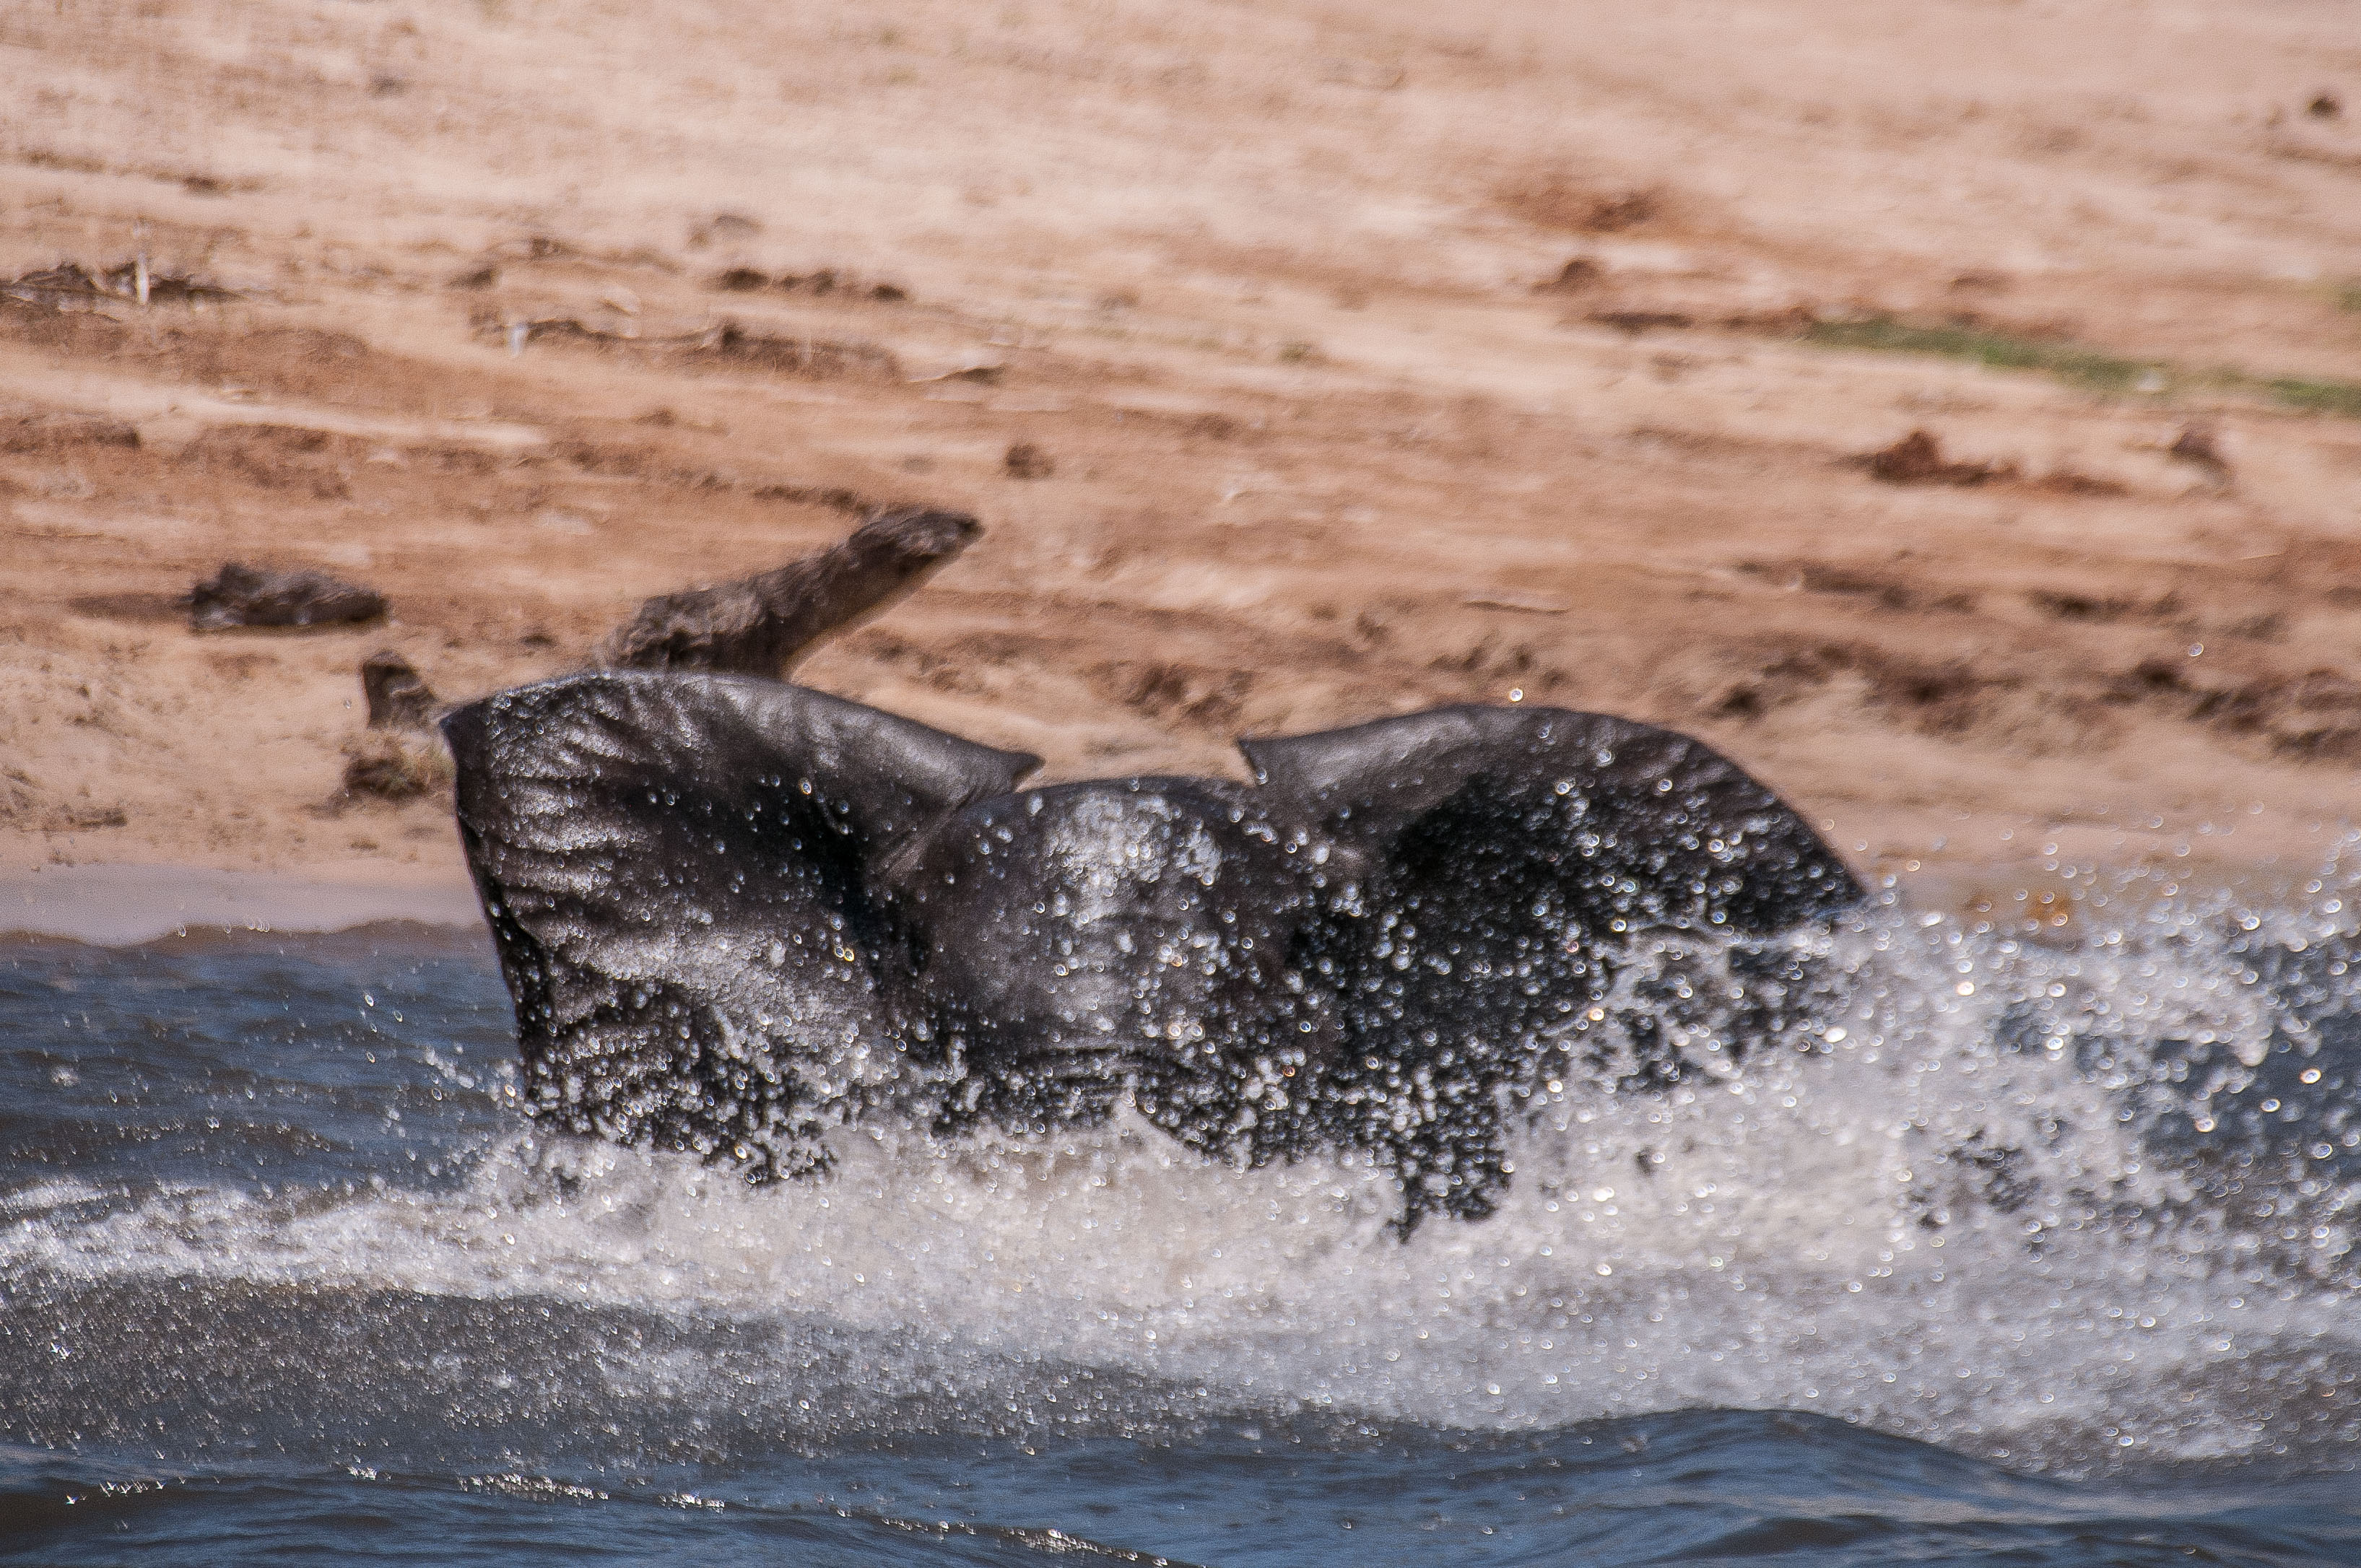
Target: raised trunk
{"points": [[760, 625]]}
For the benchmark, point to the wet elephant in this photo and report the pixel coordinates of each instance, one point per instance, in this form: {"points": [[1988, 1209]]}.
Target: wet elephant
{"points": [[731, 912]]}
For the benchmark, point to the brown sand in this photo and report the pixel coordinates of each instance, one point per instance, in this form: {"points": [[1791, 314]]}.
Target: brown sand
{"points": [[1270, 293]]}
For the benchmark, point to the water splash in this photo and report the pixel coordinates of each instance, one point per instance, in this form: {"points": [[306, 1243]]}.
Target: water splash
{"points": [[2051, 1201]]}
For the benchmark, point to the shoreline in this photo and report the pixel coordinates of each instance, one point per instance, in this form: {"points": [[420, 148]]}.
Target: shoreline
{"points": [[1982, 866], [124, 905]]}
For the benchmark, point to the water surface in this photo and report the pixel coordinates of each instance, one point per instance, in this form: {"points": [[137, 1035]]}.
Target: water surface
{"points": [[2025, 1247]]}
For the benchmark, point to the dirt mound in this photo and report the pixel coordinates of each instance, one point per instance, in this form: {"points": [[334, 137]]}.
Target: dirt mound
{"points": [[1918, 459]]}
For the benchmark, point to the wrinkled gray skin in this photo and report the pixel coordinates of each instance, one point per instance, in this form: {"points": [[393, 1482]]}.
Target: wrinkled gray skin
{"points": [[731, 912]]}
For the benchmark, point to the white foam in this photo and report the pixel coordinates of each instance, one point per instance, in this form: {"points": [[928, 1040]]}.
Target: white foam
{"points": [[1823, 1230]]}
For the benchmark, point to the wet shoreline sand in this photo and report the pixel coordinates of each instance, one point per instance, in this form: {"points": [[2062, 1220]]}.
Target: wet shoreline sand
{"points": [[2044, 886]]}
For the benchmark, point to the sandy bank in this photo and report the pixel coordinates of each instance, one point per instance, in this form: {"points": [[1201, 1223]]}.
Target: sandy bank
{"points": [[1282, 296]]}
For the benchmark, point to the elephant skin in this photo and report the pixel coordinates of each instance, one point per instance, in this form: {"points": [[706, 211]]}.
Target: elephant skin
{"points": [[733, 912]]}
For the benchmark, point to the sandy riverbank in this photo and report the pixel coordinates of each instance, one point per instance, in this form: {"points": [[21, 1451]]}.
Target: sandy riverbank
{"points": [[1276, 293]]}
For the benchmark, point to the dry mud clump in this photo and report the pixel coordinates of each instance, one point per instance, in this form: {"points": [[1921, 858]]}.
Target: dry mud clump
{"points": [[1918, 459], [243, 596]]}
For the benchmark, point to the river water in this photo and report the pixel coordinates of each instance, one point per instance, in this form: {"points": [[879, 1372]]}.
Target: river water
{"points": [[2035, 1246]]}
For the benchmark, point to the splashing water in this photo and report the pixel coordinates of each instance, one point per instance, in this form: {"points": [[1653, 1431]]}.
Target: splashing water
{"points": [[2075, 1202]]}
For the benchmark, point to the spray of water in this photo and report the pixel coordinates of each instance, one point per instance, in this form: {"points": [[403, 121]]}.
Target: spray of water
{"points": [[2032, 1192]]}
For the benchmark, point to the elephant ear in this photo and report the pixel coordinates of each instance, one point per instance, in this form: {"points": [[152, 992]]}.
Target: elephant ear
{"points": [[1487, 867], [1638, 827], [678, 872]]}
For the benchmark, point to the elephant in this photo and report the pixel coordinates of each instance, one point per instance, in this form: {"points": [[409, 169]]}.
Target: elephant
{"points": [[733, 912]]}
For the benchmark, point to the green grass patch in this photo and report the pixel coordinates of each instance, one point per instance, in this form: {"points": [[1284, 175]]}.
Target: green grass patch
{"points": [[2084, 367], [2079, 366], [2343, 398]]}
